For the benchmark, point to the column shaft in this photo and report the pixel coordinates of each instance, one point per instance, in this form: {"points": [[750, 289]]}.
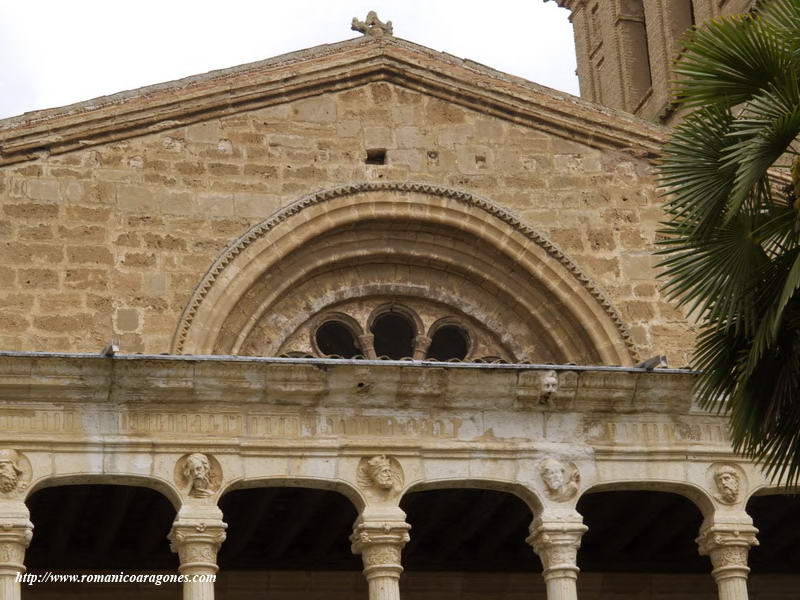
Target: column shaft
{"points": [[384, 588], [732, 589], [561, 588]]}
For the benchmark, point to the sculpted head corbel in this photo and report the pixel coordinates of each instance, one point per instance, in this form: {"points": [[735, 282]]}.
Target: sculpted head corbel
{"points": [[561, 479], [14, 471], [380, 476], [729, 482], [199, 474]]}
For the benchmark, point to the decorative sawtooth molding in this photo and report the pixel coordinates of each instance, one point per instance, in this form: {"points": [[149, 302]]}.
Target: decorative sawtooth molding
{"points": [[259, 230]]}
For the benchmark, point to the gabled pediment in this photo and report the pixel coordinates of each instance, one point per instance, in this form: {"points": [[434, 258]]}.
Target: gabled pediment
{"points": [[315, 71]]}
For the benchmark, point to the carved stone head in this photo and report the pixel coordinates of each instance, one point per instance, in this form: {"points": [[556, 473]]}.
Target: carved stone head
{"points": [[380, 472], [560, 479], [728, 484], [10, 470], [201, 473], [549, 383], [381, 475]]}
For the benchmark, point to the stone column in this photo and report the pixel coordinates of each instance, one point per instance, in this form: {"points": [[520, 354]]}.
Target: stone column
{"points": [[557, 543], [367, 343], [727, 545], [15, 535], [380, 545], [421, 345], [197, 543]]}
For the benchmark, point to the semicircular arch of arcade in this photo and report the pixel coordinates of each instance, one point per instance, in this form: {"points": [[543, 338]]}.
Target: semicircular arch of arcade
{"points": [[441, 252]]}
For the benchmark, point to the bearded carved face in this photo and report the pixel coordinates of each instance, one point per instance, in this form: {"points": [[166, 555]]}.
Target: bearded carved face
{"points": [[728, 485], [198, 471], [9, 476], [381, 474], [553, 476]]}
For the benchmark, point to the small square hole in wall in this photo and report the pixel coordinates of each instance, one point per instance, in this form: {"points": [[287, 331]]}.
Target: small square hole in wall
{"points": [[376, 156], [480, 161]]}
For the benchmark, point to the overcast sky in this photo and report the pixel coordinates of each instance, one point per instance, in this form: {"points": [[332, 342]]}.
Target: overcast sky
{"points": [[54, 52]]}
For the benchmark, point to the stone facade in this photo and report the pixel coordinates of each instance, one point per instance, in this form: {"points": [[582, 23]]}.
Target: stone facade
{"points": [[108, 239], [368, 268]]}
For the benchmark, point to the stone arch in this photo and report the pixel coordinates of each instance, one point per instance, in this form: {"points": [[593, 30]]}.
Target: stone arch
{"points": [[696, 494], [163, 487], [770, 489], [526, 494], [340, 486], [568, 311], [346, 321]]}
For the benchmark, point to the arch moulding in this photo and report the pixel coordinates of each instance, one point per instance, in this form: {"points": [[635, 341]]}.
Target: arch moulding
{"points": [[264, 245]]}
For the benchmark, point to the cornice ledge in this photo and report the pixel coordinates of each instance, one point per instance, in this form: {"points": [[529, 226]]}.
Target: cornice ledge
{"points": [[222, 382]]}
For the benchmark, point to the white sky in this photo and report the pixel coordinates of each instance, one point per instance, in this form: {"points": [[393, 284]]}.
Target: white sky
{"points": [[54, 52]]}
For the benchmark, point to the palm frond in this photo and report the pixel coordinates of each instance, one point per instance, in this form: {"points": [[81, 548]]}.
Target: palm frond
{"points": [[731, 247]]}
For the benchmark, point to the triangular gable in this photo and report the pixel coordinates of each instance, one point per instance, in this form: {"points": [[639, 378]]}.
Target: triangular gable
{"points": [[323, 69]]}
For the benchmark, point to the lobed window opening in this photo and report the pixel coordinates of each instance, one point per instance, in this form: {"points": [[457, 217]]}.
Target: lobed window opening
{"points": [[449, 342], [394, 336], [334, 338]]}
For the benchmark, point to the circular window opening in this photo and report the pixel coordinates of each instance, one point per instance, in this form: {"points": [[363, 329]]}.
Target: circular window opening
{"points": [[335, 338], [449, 342], [394, 336]]}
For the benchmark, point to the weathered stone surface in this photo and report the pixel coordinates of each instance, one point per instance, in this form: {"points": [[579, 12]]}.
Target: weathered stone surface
{"points": [[181, 220]]}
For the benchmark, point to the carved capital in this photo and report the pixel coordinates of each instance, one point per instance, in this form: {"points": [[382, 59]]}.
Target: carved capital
{"points": [[197, 544], [728, 546], [557, 546], [380, 545], [15, 536]]}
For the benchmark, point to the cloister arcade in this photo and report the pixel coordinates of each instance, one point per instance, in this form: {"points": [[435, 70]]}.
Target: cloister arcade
{"points": [[288, 500]]}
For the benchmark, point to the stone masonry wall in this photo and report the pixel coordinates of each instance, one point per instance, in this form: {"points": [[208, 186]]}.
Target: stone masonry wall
{"points": [[109, 242]]}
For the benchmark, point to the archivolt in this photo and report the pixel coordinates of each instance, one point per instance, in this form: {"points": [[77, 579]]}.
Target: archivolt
{"points": [[263, 246]]}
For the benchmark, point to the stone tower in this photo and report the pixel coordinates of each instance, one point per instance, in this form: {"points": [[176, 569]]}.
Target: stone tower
{"points": [[625, 48]]}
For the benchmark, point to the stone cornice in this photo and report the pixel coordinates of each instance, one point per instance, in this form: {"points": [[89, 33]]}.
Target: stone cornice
{"points": [[321, 70], [228, 382]]}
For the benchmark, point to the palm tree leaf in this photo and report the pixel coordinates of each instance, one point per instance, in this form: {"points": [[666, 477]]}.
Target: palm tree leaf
{"points": [[729, 61]]}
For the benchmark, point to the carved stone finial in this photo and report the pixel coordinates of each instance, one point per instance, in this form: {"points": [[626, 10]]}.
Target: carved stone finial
{"points": [[372, 25], [560, 479]]}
